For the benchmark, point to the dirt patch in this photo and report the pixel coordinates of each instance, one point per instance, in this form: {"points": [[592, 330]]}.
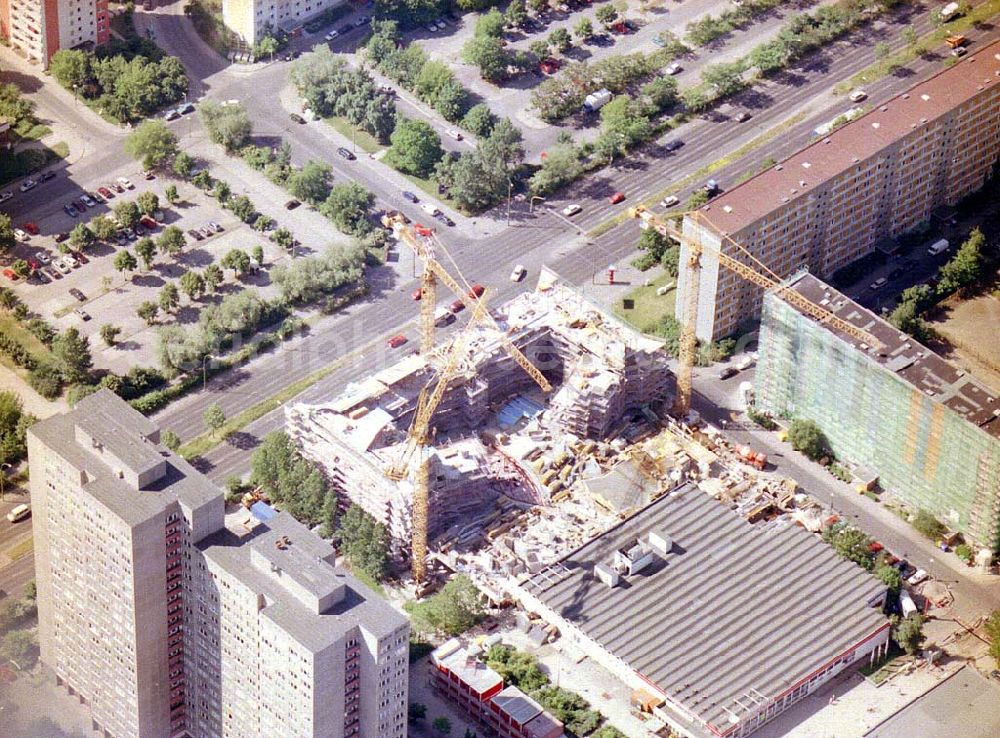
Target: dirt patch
{"points": [[970, 327]]}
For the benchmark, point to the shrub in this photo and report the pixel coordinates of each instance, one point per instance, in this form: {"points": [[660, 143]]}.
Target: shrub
{"points": [[927, 525]]}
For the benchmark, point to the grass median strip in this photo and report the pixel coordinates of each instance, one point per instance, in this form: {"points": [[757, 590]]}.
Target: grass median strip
{"points": [[747, 148], [20, 550], [921, 46], [201, 445]]}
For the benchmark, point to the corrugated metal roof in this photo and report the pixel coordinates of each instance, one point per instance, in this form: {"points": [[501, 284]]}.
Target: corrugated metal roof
{"points": [[733, 612]]}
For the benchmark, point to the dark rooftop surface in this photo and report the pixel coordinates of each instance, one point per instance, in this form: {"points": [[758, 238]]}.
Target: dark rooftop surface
{"points": [[853, 142], [910, 361], [732, 613]]}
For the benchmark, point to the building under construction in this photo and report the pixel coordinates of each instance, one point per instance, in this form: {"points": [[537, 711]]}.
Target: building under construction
{"points": [[929, 431], [493, 420]]}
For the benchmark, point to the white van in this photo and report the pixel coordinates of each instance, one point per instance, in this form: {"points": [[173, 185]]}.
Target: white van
{"points": [[938, 247], [19, 513], [906, 604], [443, 316]]}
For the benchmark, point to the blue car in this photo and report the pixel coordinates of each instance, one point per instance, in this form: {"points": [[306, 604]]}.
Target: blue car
{"points": [[410, 196], [70, 211]]}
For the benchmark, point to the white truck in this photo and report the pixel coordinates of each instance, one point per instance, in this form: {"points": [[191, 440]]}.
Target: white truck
{"points": [[596, 100], [939, 246], [948, 12]]}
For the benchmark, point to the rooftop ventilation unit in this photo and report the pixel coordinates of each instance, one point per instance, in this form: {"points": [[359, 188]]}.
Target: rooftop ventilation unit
{"points": [[607, 575], [925, 98], [806, 165], [632, 559], [660, 542], [727, 208]]}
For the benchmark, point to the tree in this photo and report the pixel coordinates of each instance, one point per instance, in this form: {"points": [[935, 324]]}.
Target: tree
{"points": [[171, 241], [110, 333], [146, 250], [453, 610], [243, 208], [152, 143], [516, 14], [806, 437], [347, 206], [148, 202], [965, 268], [81, 237], [127, 214], [263, 223], [72, 354], [927, 525], [890, 577], [490, 25], [237, 260], [487, 53], [539, 48], [221, 191], [561, 166], [214, 418], [171, 194], [183, 165], [584, 29], [416, 147], [365, 542], [909, 35], [288, 479], [125, 262], [306, 280], [881, 50], [147, 311], [70, 68], [267, 46], [560, 40], [7, 239], [416, 711], [726, 78], [213, 277], [909, 633], [169, 298], [257, 254], [228, 125], [22, 269], [202, 180], [311, 183], [21, 647], [170, 439], [442, 725], [193, 284], [606, 15], [283, 237], [14, 423], [479, 120], [851, 543], [103, 228], [992, 629]]}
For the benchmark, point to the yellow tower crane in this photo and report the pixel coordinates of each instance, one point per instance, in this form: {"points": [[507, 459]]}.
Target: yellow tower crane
{"points": [[424, 244], [756, 272]]}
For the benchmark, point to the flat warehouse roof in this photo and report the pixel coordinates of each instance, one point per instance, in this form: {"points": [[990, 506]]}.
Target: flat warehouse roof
{"points": [[732, 614]]}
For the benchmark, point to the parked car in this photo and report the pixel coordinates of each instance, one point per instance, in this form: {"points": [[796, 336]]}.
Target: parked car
{"points": [[70, 261], [52, 274], [20, 235], [418, 293], [11, 275], [117, 187], [917, 577], [46, 176], [457, 135], [407, 195], [673, 145], [84, 315], [346, 28], [476, 291], [61, 266], [332, 35], [457, 306], [42, 257], [28, 184], [518, 274], [292, 204], [296, 118], [445, 219], [172, 114], [617, 198], [88, 201], [571, 210], [216, 228], [60, 237], [729, 371], [346, 153], [743, 117], [429, 208], [186, 108], [126, 183], [196, 235], [149, 174], [670, 201], [206, 231], [70, 210], [397, 341], [858, 95], [674, 68], [149, 222], [6, 195], [711, 187], [364, 20], [878, 283]]}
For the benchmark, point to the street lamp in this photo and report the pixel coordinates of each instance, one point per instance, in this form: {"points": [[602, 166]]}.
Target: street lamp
{"points": [[531, 205]]}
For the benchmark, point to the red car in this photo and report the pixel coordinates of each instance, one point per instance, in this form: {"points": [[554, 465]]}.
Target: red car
{"points": [[9, 274], [418, 293], [616, 198], [149, 222], [31, 228], [78, 255], [457, 306], [549, 66], [477, 291], [397, 341], [105, 193]]}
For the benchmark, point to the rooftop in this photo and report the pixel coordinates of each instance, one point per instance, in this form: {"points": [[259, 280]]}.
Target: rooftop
{"points": [[519, 706], [104, 423], [912, 362], [773, 595], [304, 594], [865, 136], [467, 668]]}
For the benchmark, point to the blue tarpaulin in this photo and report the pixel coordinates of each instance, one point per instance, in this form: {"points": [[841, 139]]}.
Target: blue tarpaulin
{"points": [[262, 511], [519, 407]]}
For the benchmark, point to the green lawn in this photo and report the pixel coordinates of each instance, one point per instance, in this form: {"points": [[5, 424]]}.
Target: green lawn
{"points": [[649, 308], [429, 187], [365, 140], [10, 327]]}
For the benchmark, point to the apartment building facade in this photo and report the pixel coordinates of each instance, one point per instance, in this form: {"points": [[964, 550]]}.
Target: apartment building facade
{"points": [[928, 430], [40, 28], [836, 200], [166, 623], [251, 20]]}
